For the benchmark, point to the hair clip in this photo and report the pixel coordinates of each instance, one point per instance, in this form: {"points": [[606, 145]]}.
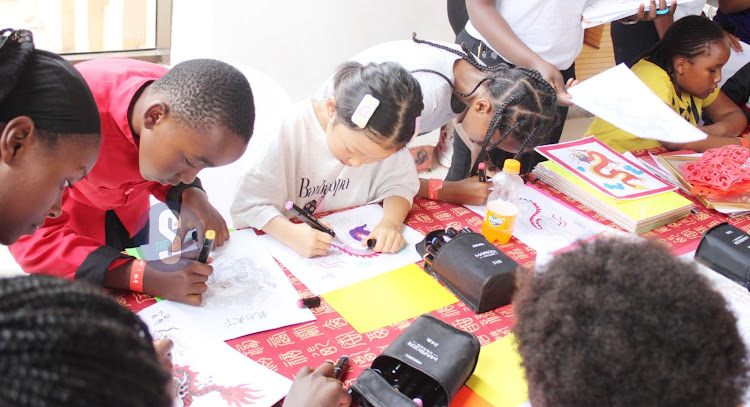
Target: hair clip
{"points": [[417, 122], [365, 110]]}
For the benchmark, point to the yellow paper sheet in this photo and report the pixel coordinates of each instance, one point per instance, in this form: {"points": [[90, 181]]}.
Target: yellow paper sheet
{"points": [[499, 377], [389, 298], [637, 209]]}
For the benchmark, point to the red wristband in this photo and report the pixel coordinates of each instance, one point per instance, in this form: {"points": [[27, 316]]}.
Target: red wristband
{"points": [[744, 142], [434, 187], [136, 276]]}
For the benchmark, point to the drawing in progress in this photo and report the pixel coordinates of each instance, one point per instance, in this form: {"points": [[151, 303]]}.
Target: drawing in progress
{"points": [[605, 169], [347, 261], [247, 293], [546, 224], [208, 372]]}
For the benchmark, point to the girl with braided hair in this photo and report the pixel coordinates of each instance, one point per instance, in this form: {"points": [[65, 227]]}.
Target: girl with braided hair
{"points": [[498, 107], [683, 70], [333, 153], [49, 133], [70, 344]]}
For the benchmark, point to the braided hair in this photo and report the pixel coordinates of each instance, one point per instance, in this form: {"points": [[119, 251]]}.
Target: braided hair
{"points": [[393, 123], [689, 37], [525, 103], [70, 344]]}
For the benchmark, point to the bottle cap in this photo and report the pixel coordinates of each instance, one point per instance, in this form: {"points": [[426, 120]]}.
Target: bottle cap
{"points": [[511, 166]]}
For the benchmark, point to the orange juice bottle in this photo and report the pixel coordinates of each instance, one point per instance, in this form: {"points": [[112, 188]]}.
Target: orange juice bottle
{"points": [[502, 204]]}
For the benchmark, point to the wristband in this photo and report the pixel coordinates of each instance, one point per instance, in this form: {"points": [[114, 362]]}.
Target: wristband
{"points": [[744, 142], [434, 187], [136, 275]]}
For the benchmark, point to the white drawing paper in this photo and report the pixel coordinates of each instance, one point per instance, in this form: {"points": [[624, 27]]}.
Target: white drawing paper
{"points": [[247, 293], [737, 297], [598, 12], [619, 97], [207, 372], [347, 262], [547, 225]]}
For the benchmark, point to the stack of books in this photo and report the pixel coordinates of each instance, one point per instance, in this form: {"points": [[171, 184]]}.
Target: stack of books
{"points": [[611, 185]]}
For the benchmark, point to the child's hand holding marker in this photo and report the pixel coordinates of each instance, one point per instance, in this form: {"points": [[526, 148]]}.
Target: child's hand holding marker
{"points": [[181, 279], [385, 238], [317, 388], [310, 242]]}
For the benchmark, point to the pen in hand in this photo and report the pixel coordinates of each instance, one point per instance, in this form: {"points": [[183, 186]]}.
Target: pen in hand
{"points": [[302, 215], [208, 242], [482, 172], [340, 367]]}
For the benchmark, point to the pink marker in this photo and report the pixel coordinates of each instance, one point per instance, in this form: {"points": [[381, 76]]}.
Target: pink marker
{"points": [[418, 402]]}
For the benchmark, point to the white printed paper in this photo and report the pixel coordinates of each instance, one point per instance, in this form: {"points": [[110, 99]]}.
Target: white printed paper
{"points": [[247, 293], [207, 372], [547, 225], [347, 262], [737, 297], [619, 97], [597, 12]]}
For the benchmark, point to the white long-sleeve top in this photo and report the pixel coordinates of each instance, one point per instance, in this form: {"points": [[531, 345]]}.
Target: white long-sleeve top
{"points": [[296, 165]]}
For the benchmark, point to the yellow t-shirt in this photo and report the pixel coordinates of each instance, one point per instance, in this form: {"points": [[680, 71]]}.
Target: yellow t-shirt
{"points": [[658, 81]]}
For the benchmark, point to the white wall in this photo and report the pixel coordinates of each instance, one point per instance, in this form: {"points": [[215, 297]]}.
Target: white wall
{"points": [[298, 42]]}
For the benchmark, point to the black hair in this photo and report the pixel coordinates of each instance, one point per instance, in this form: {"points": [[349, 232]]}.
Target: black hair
{"points": [[619, 323], [525, 103], [70, 344], [204, 93], [689, 37], [46, 88], [393, 123]]}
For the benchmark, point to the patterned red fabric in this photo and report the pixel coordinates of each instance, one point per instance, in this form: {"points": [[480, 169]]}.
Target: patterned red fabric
{"points": [[286, 350]]}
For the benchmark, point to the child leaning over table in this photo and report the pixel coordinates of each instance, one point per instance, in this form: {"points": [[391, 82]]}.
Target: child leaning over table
{"points": [[343, 151], [159, 128], [683, 70], [619, 323], [482, 100]]}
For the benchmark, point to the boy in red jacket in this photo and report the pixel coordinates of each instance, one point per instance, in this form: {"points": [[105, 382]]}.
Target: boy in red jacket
{"points": [[160, 127]]}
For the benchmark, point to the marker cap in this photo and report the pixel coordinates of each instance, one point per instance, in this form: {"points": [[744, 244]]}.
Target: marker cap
{"points": [[310, 302]]}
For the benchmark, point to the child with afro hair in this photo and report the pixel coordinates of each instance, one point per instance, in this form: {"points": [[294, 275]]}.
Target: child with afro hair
{"points": [[622, 323]]}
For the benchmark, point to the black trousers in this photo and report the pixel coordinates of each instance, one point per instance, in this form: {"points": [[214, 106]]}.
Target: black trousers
{"points": [[631, 40], [461, 161]]}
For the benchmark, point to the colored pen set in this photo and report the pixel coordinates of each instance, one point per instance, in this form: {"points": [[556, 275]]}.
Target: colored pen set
{"points": [[421, 389], [438, 241]]}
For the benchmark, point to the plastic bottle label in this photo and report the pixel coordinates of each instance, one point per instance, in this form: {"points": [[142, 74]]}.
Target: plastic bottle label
{"points": [[496, 220], [501, 212]]}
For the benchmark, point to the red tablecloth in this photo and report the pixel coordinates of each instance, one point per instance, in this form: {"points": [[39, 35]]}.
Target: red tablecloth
{"points": [[286, 350]]}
